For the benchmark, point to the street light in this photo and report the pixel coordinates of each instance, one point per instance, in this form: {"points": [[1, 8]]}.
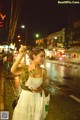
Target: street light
{"points": [[55, 38], [18, 36], [23, 26], [19, 40], [37, 35]]}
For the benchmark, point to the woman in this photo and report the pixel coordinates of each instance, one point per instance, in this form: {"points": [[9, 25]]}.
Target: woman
{"points": [[32, 100]]}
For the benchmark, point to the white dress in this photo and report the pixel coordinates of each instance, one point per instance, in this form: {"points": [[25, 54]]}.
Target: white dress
{"points": [[31, 105]]}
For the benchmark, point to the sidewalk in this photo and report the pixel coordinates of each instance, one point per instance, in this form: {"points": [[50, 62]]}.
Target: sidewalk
{"points": [[1, 90]]}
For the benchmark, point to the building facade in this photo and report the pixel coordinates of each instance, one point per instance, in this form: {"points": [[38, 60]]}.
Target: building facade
{"points": [[56, 39]]}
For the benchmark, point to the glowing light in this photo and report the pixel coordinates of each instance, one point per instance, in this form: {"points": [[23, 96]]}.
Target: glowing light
{"points": [[1, 25], [23, 26], [12, 45], [2, 16], [55, 37], [37, 35], [19, 40], [18, 36]]}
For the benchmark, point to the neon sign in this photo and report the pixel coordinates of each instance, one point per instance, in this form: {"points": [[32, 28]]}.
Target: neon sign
{"points": [[2, 18]]}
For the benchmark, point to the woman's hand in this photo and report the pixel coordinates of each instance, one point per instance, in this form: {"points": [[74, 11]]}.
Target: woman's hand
{"points": [[23, 50], [39, 89]]}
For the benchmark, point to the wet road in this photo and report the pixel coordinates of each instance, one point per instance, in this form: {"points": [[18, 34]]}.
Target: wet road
{"points": [[64, 74], [65, 78]]}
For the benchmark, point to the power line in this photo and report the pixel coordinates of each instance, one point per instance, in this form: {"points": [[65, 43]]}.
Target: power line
{"points": [[14, 18]]}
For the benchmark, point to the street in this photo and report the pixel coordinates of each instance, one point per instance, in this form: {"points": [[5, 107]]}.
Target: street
{"points": [[64, 74], [66, 78], [65, 100]]}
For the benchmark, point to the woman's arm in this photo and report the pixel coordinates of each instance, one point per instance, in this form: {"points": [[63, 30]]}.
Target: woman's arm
{"points": [[15, 65], [44, 76], [22, 52]]}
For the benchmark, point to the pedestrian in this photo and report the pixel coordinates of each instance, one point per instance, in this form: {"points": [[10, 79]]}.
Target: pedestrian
{"points": [[32, 103]]}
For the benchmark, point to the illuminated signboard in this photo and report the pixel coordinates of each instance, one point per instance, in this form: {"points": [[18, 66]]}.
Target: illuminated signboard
{"points": [[2, 18]]}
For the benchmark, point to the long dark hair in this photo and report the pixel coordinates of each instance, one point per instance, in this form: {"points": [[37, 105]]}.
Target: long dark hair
{"points": [[35, 51]]}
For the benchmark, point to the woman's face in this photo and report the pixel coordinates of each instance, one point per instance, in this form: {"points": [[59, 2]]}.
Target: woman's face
{"points": [[39, 59]]}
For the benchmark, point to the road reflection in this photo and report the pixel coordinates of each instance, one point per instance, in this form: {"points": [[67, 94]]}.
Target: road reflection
{"points": [[63, 74]]}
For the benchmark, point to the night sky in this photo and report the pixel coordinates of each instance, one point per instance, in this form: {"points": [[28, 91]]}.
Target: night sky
{"points": [[46, 16]]}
